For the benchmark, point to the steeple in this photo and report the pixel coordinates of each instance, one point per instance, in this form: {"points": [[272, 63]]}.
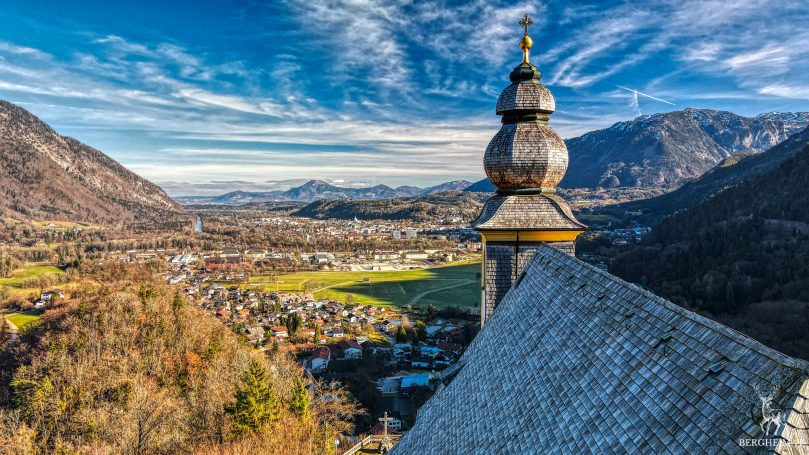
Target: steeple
{"points": [[525, 160]]}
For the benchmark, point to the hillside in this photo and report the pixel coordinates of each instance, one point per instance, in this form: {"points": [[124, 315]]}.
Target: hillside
{"points": [[728, 172], [446, 206], [481, 186], [130, 367], [46, 176], [666, 150], [741, 256]]}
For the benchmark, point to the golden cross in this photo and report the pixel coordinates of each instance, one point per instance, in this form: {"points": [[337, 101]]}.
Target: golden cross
{"points": [[525, 22]]}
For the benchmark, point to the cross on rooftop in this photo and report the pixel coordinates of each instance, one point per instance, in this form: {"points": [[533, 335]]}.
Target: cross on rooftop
{"points": [[525, 22], [386, 442]]}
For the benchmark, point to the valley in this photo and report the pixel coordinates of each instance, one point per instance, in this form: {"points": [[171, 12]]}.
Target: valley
{"points": [[382, 285]]}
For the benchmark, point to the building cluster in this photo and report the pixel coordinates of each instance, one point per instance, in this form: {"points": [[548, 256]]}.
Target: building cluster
{"points": [[361, 229], [227, 259], [623, 237]]}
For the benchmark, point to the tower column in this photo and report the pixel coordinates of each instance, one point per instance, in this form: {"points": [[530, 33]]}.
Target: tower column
{"points": [[525, 160]]}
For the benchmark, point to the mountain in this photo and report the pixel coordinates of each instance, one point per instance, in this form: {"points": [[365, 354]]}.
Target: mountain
{"points": [[318, 189], [666, 150], [446, 206], [407, 190], [314, 190], [244, 197], [730, 171], [741, 256], [481, 186], [46, 176], [456, 185]]}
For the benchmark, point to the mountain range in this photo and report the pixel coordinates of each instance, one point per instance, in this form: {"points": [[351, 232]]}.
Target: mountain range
{"points": [[666, 150], [314, 190], [728, 172], [47, 176], [663, 151]]}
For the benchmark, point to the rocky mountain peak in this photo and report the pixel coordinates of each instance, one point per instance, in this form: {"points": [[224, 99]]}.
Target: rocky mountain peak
{"points": [[49, 176]]}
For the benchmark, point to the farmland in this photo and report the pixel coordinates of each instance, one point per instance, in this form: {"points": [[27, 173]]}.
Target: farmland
{"points": [[453, 285]]}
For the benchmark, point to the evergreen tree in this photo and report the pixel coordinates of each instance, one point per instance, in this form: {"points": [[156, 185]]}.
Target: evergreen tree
{"points": [[176, 302], [401, 335], [293, 323], [255, 404], [300, 400], [317, 335]]}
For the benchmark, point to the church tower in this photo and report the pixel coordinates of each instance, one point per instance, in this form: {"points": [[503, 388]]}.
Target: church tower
{"points": [[525, 160]]}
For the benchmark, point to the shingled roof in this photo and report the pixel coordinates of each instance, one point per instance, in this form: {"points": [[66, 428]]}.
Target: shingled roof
{"points": [[575, 360], [526, 212]]}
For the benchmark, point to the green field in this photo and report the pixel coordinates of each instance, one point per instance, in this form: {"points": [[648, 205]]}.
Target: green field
{"points": [[23, 319], [18, 277], [453, 285]]}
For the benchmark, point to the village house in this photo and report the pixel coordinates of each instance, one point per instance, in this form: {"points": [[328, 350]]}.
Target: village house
{"points": [[351, 349], [319, 360]]}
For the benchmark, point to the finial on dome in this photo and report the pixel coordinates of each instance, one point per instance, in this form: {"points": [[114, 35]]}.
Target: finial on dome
{"points": [[526, 42]]}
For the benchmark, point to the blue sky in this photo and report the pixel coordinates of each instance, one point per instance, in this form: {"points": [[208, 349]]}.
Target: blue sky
{"points": [[204, 97]]}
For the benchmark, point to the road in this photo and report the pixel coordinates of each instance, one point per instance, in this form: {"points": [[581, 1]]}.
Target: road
{"points": [[12, 329]]}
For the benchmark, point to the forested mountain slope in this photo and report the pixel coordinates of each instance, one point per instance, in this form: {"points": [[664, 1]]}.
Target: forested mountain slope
{"points": [[742, 256]]}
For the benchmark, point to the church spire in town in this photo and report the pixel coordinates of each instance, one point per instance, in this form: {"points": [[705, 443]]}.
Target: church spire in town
{"points": [[525, 160]]}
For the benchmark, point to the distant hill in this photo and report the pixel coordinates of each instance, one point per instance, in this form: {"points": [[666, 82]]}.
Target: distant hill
{"points": [[456, 185], [448, 206], [730, 171], [314, 190], [46, 176], [481, 186], [666, 150], [740, 255]]}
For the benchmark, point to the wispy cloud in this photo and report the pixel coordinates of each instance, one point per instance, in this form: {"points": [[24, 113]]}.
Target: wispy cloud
{"points": [[381, 90]]}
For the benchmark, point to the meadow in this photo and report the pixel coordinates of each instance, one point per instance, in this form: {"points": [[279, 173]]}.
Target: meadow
{"points": [[23, 319], [451, 285], [20, 277]]}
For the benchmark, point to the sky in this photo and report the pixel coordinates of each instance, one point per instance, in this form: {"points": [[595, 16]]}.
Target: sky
{"points": [[205, 97]]}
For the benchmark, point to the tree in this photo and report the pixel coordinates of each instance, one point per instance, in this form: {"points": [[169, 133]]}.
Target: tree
{"points": [[176, 302], [349, 299], [420, 331], [293, 323], [401, 335], [432, 311], [256, 404], [317, 335], [299, 404]]}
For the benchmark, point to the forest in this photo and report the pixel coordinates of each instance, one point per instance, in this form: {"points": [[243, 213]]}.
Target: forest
{"points": [[740, 257]]}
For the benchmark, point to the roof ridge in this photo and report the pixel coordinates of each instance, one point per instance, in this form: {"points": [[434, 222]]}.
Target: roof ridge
{"points": [[734, 335]]}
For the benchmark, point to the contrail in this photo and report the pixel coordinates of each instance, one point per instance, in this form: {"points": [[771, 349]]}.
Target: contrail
{"points": [[643, 94], [635, 103]]}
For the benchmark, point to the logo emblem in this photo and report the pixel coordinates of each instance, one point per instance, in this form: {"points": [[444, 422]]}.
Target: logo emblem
{"points": [[771, 418]]}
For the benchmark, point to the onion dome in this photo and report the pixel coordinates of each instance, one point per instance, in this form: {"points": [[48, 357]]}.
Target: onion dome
{"points": [[526, 154]]}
